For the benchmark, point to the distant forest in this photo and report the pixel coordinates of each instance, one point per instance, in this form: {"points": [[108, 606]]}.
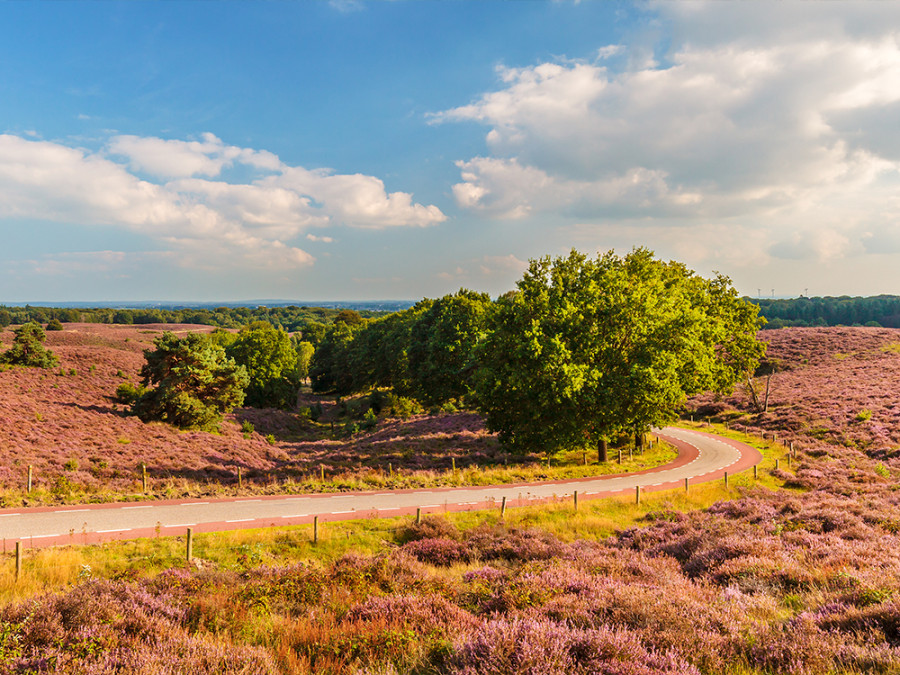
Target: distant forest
{"points": [[291, 318], [879, 310]]}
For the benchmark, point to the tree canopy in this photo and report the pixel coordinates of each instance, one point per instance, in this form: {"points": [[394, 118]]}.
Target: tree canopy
{"points": [[586, 349], [191, 382], [271, 360]]}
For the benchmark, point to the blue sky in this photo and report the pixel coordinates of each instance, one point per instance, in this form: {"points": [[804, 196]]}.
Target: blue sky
{"points": [[203, 151]]}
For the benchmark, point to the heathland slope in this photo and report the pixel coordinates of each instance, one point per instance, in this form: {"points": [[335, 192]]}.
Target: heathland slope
{"points": [[801, 580]]}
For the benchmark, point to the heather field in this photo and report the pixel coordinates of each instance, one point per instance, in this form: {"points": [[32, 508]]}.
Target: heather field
{"points": [[800, 579], [83, 446]]}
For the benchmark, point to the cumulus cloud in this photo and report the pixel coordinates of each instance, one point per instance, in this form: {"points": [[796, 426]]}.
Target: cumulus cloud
{"points": [[172, 191], [771, 116]]}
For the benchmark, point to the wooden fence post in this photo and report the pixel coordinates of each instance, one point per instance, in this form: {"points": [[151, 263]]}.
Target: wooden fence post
{"points": [[637, 494], [686, 484], [144, 476], [315, 529], [755, 472], [18, 559], [503, 508], [575, 499], [240, 478], [30, 473], [189, 554], [418, 515], [726, 480]]}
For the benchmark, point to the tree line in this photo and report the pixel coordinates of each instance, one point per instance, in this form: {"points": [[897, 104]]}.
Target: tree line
{"points": [[291, 318], [879, 310], [582, 351]]}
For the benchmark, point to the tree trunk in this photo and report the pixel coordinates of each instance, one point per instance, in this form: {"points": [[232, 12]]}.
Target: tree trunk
{"points": [[639, 441], [753, 395], [602, 449], [766, 400]]}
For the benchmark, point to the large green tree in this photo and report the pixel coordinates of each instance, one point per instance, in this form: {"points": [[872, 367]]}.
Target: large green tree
{"points": [[441, 346], [588, 348], [28, 348], [191, 382], [271, 361]]}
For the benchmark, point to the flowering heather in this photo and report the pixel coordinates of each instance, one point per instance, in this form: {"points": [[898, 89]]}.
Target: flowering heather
{"points": [[65, 423], [805, 580]]}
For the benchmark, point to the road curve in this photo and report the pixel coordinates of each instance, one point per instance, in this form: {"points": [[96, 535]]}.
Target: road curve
{"points": [[701, 457]]}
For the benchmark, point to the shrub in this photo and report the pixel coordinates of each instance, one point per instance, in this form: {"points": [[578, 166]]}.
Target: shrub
{"points": [[430, 527], [128, 393], [370, 420], [54, 325], [28, 348], [404, 407]]}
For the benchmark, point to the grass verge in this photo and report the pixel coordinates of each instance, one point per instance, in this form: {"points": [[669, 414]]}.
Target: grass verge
{"points": [[54, 569]]}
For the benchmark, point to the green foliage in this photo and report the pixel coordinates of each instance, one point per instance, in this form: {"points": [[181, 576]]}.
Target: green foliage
{"points": [[586, 349], [5, 318], [442, 343], [305, 351], [864, 415], [348, 316], [370, 420], [128, 393], [271, 362], [879, 310], [54, 324], [193, 382], [332, 368], [28, 348]]}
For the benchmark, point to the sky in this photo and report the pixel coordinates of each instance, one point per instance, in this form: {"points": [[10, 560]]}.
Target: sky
{"points": [[357, 150]]}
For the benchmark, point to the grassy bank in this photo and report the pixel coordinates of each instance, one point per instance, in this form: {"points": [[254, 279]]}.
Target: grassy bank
{"points": [[57, 568]]}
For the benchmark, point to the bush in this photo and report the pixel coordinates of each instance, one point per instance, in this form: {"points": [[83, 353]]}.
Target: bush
{"points": [[54, 325], [370, 420], [430, 527], [404, 407], [128, 393], [28, 348]]}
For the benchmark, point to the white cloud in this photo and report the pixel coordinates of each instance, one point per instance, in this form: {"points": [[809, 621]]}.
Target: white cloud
{"points": [[324, 240], [777, 118], [200, 217]]}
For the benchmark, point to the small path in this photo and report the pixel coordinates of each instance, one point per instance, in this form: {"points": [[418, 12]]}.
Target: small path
{"points": [[702, 457]]}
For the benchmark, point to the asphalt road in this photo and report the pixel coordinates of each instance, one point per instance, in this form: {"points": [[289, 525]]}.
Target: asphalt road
{"points": [[702, 457]]}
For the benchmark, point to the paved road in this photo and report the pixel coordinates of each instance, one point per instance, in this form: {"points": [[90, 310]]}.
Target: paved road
{"points": [[702, 457]]}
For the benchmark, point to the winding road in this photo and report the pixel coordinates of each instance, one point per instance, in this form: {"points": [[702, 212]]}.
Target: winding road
{"points": [[702, 457]]}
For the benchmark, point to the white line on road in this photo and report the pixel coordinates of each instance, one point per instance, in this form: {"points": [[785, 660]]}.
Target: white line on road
{"points": [[299, 515], [430, 506], [124, 508], [9, 515], [44, 536], [193, 503], [336, 513], [182, 525], [240, 520], [71, 510], [244, 501], [124, 529]]}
